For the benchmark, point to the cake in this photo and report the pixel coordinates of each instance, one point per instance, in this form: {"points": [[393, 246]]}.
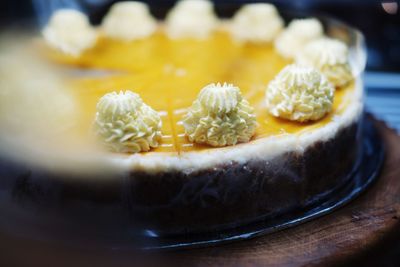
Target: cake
{"points": [[193, 127]]}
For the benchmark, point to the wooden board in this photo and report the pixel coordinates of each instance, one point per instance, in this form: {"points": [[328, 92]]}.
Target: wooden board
{"points": [[353, 232]]}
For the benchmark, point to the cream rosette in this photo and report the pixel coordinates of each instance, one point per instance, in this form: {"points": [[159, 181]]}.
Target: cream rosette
{"points": [[125, 124], [257, 23], [220, 117], [191, 19], [298, 33], [299, 93], [129, 21], [69, 31], [330, 57]]}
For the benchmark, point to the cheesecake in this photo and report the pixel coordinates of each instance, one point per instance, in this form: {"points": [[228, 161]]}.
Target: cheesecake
{"points": [[191, 127]]}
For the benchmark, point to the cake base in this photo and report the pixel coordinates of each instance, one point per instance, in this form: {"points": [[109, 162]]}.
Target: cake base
{"points": [[37, 226]]}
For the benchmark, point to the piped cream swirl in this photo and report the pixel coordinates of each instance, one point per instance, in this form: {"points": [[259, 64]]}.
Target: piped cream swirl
{"points": [[69, 31], [129, 21], [221, 100], [299, 93], [329, 56], [191, 19], [126, 124], [220, 117], [257, 22], [298, 33]]}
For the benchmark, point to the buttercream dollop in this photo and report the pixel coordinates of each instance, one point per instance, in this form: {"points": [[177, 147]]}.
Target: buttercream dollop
{"points": [[129, 21], [298, 33], [257, 22], [299, 93], [69, 31], [126, 124], [191, 19], [330, 57], [220, 116]]}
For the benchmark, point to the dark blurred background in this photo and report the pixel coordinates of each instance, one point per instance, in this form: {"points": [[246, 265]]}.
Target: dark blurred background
{"points": [[378, 20]]}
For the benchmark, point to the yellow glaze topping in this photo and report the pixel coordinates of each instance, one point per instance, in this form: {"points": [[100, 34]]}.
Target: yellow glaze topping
{"points": [[168, 75], [125, 124], [220, 117]]}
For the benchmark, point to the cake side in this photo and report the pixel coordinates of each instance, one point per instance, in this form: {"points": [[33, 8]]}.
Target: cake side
{"points": [[238, 193], [175, 202]]}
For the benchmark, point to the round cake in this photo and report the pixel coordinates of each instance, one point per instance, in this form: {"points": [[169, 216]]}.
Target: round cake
{"points": [[188, 125]]}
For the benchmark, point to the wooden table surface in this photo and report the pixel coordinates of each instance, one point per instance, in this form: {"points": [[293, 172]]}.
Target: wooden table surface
{"points": [[356, 231]]}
